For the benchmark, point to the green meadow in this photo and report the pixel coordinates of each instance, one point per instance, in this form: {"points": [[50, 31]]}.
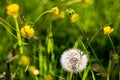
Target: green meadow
{"points": [[34, 34]]}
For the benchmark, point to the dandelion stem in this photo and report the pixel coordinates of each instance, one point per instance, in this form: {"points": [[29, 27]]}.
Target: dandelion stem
{"points": [[71, 75], [39, 17], [36, 78], [18, 35]]}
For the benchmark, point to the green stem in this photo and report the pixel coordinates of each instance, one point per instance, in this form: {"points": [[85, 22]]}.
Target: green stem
{"points": [[93, 76], [94, 36], [5, 22], [71, 75], [83, 45], [85, 74], [39, 17], [119, 75], [109, 68], [60, 77], [13, 58], [94, 53], [18, 35], [8, 29], [111, 43], [36, 78]]}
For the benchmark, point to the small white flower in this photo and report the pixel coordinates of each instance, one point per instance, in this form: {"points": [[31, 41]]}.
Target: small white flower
{"points": [[73, 60], [36, 72]]}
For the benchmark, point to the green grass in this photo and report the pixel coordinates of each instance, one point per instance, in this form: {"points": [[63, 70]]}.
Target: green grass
{"points": [[53, 35]]}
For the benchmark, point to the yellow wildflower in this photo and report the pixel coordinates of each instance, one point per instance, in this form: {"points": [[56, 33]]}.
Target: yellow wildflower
{"points": [[27, 32], [108, 30], [24, 60], [33, 70], [12, 9], [55, 10], [74, 17], [62, 15]]}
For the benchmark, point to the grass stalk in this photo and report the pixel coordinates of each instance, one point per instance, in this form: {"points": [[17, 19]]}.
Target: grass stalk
{"points": [[39, 17], [8, 29], [109, 68], [86, 73], [93, 76], [36, 78], [119, 75], [18, 35], [112, 43]]}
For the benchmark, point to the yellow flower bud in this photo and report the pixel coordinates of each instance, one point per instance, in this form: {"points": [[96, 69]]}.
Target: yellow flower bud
{"points": [[27, 32], [74, 18], [108, 30], [13, 9], [24, 60], [55, 10]]}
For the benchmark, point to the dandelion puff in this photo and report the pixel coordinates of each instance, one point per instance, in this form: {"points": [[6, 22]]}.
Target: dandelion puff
{"points": [[74, 60]]}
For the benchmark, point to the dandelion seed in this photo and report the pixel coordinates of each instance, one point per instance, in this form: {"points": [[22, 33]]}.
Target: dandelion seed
{"points": [[73, 60], [74, 18], [27, 32], [108, 30], [55, 10], [13, 9]]}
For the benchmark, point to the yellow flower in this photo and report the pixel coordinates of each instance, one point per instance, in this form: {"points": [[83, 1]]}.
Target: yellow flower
{"points": [[33, 70], [108, 30], [74, 17], [55, 10], [12, 9], [27, 32], [62, 15], [24, 60]]}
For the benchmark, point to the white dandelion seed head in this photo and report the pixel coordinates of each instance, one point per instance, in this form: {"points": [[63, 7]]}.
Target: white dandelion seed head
{"points": [[74, 60]]}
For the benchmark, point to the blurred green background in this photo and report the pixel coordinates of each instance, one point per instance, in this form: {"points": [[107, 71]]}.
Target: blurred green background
{"points": [[93, 16]]}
